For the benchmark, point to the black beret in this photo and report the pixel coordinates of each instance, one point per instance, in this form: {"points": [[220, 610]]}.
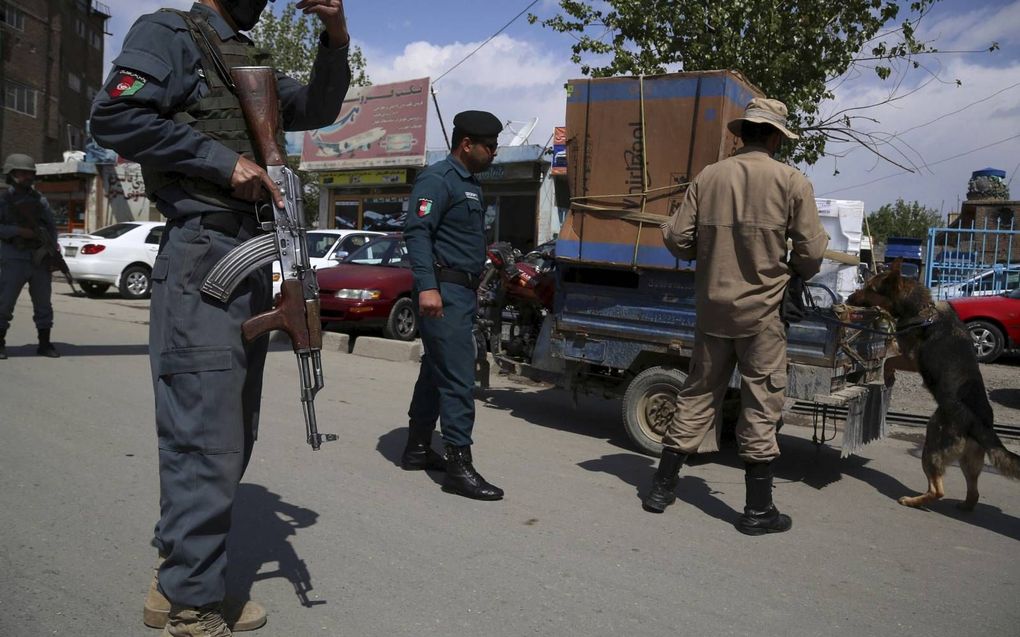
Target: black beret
{"points": [[480, 123]]}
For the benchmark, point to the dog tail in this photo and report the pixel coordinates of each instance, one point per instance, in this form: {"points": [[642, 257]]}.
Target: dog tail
{"points": [[1005, 461]]}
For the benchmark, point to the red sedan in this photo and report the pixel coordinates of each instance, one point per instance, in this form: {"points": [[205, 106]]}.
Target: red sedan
{"points": [[993, 322], [371, 288]]}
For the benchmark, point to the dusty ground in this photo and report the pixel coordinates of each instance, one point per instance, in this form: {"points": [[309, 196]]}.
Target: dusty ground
{"points": [[1002, 381]]}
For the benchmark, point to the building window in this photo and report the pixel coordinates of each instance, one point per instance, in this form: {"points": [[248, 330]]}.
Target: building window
{"points": [[74, 81], [79, 27], [90, 93], [21, 99], [97, 40], [13, 16]]}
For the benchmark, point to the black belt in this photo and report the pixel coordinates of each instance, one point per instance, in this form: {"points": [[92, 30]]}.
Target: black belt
{"points": [[230, 223], [447, 275]]}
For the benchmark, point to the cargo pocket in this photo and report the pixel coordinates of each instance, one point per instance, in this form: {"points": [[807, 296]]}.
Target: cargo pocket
{"points": [[197, 406], [777, 381], [187, 360], [160, 268]]}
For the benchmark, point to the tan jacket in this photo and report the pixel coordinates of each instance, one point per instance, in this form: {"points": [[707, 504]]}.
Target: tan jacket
{"points": [[735, 220]]}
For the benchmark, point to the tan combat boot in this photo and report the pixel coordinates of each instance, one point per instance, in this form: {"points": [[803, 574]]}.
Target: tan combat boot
{"points": [[195, 622], [240, 616]]}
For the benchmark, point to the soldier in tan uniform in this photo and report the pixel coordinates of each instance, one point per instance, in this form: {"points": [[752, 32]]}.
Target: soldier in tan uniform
{"points": [[736, 220]]}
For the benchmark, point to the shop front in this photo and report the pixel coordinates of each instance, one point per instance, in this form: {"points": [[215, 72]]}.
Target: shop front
{"points": [[378, 199], [69, 187]]}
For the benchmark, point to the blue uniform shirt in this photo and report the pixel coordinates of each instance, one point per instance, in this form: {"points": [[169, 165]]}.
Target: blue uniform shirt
{"points": [[9, 223], [446, 223], [160, 53]]}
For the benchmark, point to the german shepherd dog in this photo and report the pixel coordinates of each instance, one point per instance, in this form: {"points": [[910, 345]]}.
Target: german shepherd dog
{"points": [[937, 344]]}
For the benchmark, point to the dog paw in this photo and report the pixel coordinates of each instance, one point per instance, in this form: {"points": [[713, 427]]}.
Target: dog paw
{"points": [[966, 506], [910, 502]]}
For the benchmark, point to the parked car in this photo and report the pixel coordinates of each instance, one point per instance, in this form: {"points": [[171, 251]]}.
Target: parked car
{"points": [[993, 322], [328, 247], [371, 288], [120, 255], [990, 282]]}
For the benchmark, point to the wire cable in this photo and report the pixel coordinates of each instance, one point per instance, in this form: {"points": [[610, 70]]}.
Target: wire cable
{"points": [[927, 164], [489, 39]]}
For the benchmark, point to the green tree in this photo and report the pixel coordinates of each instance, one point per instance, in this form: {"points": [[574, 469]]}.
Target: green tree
{"points": [[293, 39], [794, 50], [903, 220]]}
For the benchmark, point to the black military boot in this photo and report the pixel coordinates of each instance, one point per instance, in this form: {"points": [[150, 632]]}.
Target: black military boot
{"points": [[462, 479], [45, 346], [418, 454], [760, 515], [3, 345], [663, 492]]}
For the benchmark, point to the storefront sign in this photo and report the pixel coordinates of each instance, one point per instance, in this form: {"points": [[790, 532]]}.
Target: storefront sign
{"points": [[379, 125], [363, 178], [559, 162], [509, 172]]}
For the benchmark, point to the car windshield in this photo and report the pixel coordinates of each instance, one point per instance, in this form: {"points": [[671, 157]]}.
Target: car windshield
{"points": [[114, 231], [319, 243], [383, 251]]}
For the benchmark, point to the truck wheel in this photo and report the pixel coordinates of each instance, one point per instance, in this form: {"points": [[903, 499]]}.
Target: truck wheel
{"points": [[402, 323], [92, 289], [648, 406]]}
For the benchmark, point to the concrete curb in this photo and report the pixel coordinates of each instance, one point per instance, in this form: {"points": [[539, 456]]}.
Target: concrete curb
{"points": [[367, 346], [387, 349]]}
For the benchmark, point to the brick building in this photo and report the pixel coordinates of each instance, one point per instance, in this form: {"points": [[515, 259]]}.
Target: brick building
{"points": [[52, 66]]}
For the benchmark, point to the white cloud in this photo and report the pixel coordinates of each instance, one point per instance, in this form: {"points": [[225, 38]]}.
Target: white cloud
{"points": [[512, 78], [940, 182], [976, 29]]}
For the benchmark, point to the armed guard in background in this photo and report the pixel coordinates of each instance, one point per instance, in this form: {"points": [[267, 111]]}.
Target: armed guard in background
{"points": [[170, 104], [28, 241], [445, 235]]}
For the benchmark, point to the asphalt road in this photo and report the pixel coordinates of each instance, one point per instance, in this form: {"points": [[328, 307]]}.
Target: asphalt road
{"points": [[378, 551]]}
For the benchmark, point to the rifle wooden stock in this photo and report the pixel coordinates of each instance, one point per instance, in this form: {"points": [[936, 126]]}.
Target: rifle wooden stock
{"points": [[256, 89], [293, 315]]}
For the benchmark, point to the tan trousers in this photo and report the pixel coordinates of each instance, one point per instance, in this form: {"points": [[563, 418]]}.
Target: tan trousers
{"points": [[761, 361]]}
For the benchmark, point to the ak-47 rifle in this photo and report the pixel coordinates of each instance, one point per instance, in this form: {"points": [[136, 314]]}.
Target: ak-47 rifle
{"points": [[46, 253], [297, 312]]}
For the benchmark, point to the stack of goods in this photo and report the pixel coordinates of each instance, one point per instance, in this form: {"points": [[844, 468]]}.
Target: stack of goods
{"points": [[988, 183]]}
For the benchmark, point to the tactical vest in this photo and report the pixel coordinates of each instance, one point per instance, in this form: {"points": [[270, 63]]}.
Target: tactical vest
{"points": [[25, 210], [218, 114]]}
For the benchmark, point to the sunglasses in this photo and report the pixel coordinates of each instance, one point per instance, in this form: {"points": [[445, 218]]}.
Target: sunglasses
{"points": [[491, 146]]}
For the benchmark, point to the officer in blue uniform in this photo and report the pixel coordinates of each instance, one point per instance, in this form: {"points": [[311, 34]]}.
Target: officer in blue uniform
{"points": [[171, 106], [26, 223], [445, 235]]}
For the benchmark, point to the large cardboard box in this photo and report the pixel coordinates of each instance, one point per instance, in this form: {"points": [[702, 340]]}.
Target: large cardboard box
{"points": [[632, 145]]}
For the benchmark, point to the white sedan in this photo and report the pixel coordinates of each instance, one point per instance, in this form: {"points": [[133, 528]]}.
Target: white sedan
{"points": [[120, 255], [327, 248]]}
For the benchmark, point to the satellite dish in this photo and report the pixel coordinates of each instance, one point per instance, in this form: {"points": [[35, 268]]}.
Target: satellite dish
{"points": [[521, 136]]}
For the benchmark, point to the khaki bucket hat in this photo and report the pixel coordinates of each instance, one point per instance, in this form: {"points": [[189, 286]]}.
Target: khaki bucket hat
{"points": [[763, 111]]}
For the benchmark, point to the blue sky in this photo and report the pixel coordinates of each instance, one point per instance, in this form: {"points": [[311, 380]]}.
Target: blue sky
{"points": [[520, 75]]}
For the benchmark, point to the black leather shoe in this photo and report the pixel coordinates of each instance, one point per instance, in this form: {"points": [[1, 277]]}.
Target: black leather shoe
{"points": [[47, 349], [462, 479], [760, 515], [420, 457], [418, 454], [760, 523], [45, 346], [663, 491]]}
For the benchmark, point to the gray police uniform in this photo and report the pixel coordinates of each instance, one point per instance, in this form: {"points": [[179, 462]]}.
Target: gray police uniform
{"points": [[446, 227], [20, 258], [165, 108]]}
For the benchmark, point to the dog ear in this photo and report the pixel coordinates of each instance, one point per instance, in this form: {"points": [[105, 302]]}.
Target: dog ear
{"points": [[895, 266]]}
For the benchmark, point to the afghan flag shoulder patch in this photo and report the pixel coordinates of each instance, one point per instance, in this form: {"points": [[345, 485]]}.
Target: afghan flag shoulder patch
{"points": [[126, 84], [424, 207]]}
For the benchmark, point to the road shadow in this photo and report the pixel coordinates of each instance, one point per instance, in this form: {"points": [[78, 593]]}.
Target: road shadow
{"points": [[391, 447], [1009, 398], [67, 350], [263, 525], [637, 471], [555, 409]]}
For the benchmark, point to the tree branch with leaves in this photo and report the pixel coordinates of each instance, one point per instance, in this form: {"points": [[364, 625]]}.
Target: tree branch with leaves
{"points": [[794, 50]]}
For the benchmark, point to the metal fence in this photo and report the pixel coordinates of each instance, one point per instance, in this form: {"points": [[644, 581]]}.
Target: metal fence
{"points": [[974, 261]]}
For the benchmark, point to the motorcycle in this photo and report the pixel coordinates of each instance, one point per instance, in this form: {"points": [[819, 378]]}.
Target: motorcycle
{"points": [[515, 294]]}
